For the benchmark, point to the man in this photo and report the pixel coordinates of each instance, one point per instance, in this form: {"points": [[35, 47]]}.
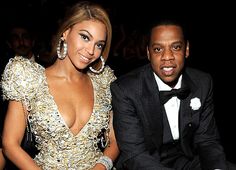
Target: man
{"points": [[157, 132], [21, 41]]}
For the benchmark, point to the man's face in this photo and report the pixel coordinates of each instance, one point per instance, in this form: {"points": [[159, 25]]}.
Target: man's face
{"points": [[167, 51], [21, 42]]}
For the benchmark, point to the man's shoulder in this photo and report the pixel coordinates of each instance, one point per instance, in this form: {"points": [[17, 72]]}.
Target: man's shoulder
{"points": [[133, 76], [199, 77], [196, 73]]}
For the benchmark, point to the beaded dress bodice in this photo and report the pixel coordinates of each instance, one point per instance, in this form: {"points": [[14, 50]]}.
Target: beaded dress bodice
{"points": [[25, 81]]}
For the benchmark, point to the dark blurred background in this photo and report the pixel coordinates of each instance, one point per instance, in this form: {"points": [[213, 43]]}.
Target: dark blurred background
{"points": [[211, 33]]}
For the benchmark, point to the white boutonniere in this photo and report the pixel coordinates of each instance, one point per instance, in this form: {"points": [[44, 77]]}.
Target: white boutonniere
{"points": [[195, 103]]}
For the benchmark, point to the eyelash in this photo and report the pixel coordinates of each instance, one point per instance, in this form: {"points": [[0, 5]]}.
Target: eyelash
{"points": [[86, 38], [100, 46], [157, 50], [175, 48]]}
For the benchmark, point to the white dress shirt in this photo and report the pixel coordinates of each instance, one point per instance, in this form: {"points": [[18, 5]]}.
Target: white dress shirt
{"points": [[171, 106]]}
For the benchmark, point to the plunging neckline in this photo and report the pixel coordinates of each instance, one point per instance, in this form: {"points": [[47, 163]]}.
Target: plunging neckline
{"points": [[58, 112]]}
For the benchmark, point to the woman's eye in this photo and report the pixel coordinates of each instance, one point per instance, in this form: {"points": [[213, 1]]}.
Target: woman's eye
{"points": [[100, 46], [84, 37]]}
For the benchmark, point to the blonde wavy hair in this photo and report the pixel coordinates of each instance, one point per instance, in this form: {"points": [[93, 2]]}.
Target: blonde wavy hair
{"points": [[83, 11]]}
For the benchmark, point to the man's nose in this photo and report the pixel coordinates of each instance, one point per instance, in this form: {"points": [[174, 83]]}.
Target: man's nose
{"points": [[21, 41], [167, 55]]}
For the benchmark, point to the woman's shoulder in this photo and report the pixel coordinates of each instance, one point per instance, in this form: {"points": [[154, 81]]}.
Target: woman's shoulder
{"points": [[108, 72], [21, 66], [20, 77], [106, 76]]}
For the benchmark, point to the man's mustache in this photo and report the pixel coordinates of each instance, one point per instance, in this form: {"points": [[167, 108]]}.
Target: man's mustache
{"points": [[22, 47]]}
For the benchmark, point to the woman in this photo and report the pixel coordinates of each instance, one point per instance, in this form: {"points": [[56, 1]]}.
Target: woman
{"points": [[2, 160], [69, 103]]}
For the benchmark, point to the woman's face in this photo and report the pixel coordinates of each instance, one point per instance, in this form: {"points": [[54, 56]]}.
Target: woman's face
{"points": [[85, 42]]}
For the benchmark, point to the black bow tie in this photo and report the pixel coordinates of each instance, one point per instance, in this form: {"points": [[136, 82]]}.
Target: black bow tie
{"points": [[181, 93]]}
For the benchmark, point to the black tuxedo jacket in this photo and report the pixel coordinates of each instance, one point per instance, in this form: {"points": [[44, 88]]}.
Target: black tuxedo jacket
{"points": [[138, 121]]}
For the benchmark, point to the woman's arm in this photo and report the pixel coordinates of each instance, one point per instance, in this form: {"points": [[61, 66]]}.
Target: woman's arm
{"points": [[111, 151], [2, 160], [13, 132]]}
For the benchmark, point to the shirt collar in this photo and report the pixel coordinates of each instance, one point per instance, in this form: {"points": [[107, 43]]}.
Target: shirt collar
{"points": [[162, 86]]}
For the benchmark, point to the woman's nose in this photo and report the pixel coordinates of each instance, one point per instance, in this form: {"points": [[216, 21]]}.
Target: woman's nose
{"points": [[90, 49]]}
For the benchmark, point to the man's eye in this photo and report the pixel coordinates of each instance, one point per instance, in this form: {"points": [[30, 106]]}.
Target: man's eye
{"points": [[177, 47], [157, 50], [26, 36], [14, 37]]}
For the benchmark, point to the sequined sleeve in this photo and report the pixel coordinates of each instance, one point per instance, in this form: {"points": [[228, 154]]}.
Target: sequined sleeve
{"points": [[102, 86], [108, 76], [105, 80], [18, 80]]}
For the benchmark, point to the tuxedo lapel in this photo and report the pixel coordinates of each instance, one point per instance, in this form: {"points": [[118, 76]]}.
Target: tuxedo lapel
{"points": [[152, 107], [185, 112]]}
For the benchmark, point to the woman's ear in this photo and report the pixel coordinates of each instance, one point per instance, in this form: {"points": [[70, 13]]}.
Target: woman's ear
{"points": [[65, 34]]}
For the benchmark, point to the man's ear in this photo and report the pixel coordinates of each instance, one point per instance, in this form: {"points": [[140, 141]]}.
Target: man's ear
{"points": [[8, 44], [148, 54], [187, 50]]}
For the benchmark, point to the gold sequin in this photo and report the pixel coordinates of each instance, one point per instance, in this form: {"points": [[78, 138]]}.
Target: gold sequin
{"points": [[25, 81]]}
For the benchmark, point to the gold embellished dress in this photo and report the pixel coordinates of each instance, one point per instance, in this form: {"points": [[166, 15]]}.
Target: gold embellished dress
{"points": [[25, 81]]}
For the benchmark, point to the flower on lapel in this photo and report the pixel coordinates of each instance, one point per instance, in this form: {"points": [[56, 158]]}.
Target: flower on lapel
{"points": [[195, 103]]}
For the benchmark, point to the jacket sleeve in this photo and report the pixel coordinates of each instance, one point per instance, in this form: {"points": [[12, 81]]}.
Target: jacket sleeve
{"points": [[207, 138]]}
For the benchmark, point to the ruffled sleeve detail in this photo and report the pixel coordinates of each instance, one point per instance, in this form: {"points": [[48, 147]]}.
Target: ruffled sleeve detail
{"points": [[101, 84], [20, 80], [107, 76]]}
